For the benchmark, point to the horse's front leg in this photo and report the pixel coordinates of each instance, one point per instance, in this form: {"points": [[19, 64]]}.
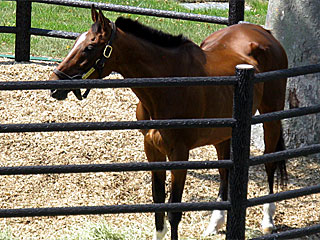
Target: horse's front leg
{"points": [[218, 218], [178, 178], [158, 188]]}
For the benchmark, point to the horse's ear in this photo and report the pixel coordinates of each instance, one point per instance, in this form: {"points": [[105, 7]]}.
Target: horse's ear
{"points": [[102, 19], [94, 14]]}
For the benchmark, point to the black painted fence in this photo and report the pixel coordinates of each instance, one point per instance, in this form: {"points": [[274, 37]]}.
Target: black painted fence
{"points": [[23, 30], [240, 124], [238, 165]]}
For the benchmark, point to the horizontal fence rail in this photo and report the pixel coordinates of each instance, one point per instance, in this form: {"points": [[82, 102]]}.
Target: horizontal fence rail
{"points": [[290, 113], [118, 83], [42, 32], [113, 209], [283, 195], [291, 234], [114, 167], [5, 29], [284, 155], [138, 10], [158, 82], [124, 125], [54, 33], [286, 73]]}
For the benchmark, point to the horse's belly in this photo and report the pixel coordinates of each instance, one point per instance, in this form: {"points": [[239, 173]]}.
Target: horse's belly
{"points": [[190, 138], [211, 136]]}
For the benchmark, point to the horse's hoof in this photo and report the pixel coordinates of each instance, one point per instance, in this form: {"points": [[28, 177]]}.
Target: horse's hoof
{"points": [[208, 232], [216, 222], [267, 226], [159, 235], [267, 223], [267, 230]]}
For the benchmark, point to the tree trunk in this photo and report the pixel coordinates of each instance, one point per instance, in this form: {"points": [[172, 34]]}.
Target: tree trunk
{"points": [[295, 23]]}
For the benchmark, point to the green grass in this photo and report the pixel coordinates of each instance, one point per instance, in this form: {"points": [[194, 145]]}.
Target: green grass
{"points": [[258, 11], [95, 232], [90, 231], [5, 234], [79, 20], [102, 230]]}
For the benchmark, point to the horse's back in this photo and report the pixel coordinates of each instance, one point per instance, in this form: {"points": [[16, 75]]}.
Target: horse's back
{"points": [[243, 43]]}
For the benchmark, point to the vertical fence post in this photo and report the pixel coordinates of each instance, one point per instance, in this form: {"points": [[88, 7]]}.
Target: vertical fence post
{"points": [[23, 25], [240, 153], [236, 11]]}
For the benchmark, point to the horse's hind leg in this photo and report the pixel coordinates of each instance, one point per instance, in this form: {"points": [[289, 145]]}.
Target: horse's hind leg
{"points": [[273, 100], [271, 138], [218, 216], [158, 189], [178, 178]]}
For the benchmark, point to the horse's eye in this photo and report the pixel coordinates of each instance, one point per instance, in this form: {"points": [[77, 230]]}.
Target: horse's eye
{"points": [[89, 48]]}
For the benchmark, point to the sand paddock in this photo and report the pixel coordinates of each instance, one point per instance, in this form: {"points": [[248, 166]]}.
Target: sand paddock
{"points": [[106, 147]]}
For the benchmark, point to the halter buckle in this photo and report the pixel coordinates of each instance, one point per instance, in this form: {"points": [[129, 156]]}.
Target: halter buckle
{"points": [[107, 51]]}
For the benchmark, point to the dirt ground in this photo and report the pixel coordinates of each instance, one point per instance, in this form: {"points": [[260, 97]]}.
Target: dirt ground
{"points": [[106, 147]]}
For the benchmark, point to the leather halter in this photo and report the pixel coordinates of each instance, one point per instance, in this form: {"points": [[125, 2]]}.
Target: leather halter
{"points": [[98, 66]]}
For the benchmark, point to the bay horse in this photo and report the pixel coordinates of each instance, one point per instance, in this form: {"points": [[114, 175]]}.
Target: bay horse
{"points": [[136, 51]]}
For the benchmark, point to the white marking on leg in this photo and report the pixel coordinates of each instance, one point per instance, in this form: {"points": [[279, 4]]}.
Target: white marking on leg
{"points": [[78, 42], [216, 222], [159, 235], [269, 209]]}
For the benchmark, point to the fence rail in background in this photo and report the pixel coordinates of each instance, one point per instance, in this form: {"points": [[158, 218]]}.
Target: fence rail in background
{"points": [[139, 11], [54, 33], [5, 29], [23, 30]]}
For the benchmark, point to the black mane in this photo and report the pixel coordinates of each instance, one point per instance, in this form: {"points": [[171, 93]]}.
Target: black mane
{"points": [[147, 33]]}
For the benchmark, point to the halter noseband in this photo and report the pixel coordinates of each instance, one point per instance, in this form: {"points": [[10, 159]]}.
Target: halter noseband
{"points": [[98, 66]]}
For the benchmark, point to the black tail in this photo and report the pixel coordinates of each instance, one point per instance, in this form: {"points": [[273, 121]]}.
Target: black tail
{"points": [[281, 165]]}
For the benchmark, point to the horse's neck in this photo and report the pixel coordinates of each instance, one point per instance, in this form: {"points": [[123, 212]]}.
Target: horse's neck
{"points": [[143, 59], [140, 58]]}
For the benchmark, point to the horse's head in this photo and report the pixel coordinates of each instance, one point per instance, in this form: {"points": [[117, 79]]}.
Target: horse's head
{"points": [[88, 57]]}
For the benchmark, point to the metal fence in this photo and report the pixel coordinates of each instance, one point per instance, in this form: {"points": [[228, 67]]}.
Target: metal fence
{"points": [[23, 29], [238, 165], [241, 130]]}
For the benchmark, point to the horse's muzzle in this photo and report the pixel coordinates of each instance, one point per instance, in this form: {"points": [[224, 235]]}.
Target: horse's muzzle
{"points": [[59, 94], [63, 94]]}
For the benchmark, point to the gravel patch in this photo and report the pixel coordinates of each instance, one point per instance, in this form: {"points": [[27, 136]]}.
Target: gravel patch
{"points": [[95, 189]]}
